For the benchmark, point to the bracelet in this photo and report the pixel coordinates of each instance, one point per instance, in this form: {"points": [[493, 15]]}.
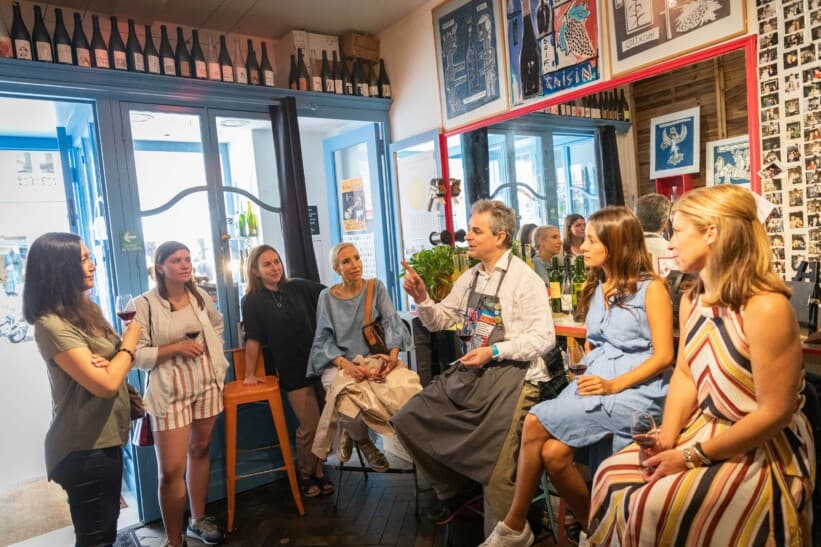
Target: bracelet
{"points": [[688, 459], [129, 352], [700, 453], [494, 350]]}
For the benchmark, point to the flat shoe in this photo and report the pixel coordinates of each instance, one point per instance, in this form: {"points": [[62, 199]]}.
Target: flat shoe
{"points": [[309, 487]]}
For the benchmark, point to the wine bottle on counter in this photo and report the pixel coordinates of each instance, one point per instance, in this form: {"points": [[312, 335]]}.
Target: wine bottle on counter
{"points": [[303, 80], [168, 62], [199, 69], [251, 65], [134, 58], [20, 37], [240, 74], [80, 49], [384, 82], [182, 58], [347, 80], [326, 75], [116, 47], [373, 83], [42, 48], [6, 49], [336, 69], [152, 56], [529, 56], [226, 66], [99, 50], [554, 277], [62, 41], [266, 71], [293, 83]]}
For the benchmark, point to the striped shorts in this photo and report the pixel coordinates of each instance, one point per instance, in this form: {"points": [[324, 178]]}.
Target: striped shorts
{"points": [[195, 394]]}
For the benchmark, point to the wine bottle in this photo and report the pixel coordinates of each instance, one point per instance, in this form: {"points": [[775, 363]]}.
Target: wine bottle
{"points": [[40, 37], [544, 17], [116, 48], [567, 288], [347, 80], [226, 66], [168, 62], [529, 56], [99, 50], [80, 50], [303, 79], [336, 69], [384, 82], [265, 69], [579, 279], [200, 68], [6, 49], [152, 56], [240, 74], [624, 107], [134, 59], [326, 75], [62, 41], [360, 83], [251, 65], [182, 58], [20, 37], [251, 218], [373, 83], [554, 276], [213, 60], [316, 76], [595, 112], [293, 83]]}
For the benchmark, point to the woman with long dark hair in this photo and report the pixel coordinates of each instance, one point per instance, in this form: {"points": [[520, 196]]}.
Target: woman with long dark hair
{"points": [[182, 346], [573, 235], [280, 314], [629, 321], [87, 363]]}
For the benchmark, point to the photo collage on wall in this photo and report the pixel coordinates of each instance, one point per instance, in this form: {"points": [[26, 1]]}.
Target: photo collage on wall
{"points": [[789, 76]]}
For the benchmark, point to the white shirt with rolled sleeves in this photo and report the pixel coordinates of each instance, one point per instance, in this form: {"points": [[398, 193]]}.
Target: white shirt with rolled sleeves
{"points": [[529, 330]]}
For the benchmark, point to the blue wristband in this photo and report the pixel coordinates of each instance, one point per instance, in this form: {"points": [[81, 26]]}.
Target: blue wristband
{"points": [[494, 351]]}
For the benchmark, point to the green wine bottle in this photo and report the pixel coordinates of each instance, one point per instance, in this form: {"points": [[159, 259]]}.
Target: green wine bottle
{"points": [[555, 277], [578, 280]]}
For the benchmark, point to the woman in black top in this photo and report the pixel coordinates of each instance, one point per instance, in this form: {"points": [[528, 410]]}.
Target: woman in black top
{"points": [[280, 314]]}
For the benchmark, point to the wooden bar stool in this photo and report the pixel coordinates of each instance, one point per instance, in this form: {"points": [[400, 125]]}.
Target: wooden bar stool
{"points": [[237, 393]]}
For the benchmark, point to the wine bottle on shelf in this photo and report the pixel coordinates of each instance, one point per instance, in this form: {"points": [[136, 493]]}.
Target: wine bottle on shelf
{"points": [[152, 56], [116, 48], [80, 49], [614, 105], [213, 60], [266, 71], [554, 276], [251, 64], [586, 107], [624, 107], [99, 50], [595, 112], [529, 56], [326, 75], [347, 81], [20, 37], [544, 17], [384, 82], [240, 74], [316, 76], [168, 62], [62, 41], [373, 83], [226, 66], [41, 39], [361, 83], [303, 80], [134, 58], [200, 68], [6, 49], [293, 82], [336, 70], [182, 57]]}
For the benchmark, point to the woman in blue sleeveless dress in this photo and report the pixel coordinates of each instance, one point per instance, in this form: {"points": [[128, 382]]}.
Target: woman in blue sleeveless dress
{"points": [[629, 321]]}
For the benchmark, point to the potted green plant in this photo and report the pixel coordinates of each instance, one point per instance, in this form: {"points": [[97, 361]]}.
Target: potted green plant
{"points": [[435, 267]]}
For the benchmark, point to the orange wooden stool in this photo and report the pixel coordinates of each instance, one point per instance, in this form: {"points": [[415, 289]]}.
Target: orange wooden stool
{"points": [[237, 393]]}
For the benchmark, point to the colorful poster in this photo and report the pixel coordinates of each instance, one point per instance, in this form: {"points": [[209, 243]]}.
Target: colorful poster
{"points": [[353, 205], [676, 147], [553, 46]]}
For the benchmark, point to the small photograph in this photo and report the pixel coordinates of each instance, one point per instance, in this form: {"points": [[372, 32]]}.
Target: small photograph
{"points": [[771, 185], [770, 100], [765, 27], [812, 119], [791, 107], [772, 156], [796, 197], [799, 243], [812, 149], [810, 134], [774, 198], [773, 143], [816, 33], [810, 75], [769, 129], [814, 205], [794, 130], [792, 40], [795, 260], [766, 11], [794, 176], [814, 191], [793, 153], [814, 247], [815, 4], [791, 59], [768, 40], [812, 90], [814, 179], [767, 71], [776, 241], [810, 163], [812, 103], [815, 18], [807, 54], [793, 10], [792, 83], [775, 224], [797, 219], [794, 25], [770, 86], [770, 114], [813, 220], [779, 253], [778, 267]]}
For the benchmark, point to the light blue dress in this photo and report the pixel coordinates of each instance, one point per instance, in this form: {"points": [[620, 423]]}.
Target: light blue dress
{"points": [[621, 339]]}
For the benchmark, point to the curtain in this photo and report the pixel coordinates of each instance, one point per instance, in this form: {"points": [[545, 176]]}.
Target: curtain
{"points": [[299, 247], [476, 165], [611, 191]]}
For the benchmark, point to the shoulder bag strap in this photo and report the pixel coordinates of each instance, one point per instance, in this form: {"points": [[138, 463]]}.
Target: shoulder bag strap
{"points": [[368, 300]]}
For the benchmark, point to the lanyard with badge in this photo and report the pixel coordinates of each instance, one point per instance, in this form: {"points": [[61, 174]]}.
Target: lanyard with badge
{"points": [[483, 324]]}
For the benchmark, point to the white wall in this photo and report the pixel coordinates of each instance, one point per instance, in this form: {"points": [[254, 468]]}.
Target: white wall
{"points": [[313, 165]]}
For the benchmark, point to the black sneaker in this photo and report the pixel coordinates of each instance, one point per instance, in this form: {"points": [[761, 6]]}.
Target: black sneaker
{"points": [[206, 530]]}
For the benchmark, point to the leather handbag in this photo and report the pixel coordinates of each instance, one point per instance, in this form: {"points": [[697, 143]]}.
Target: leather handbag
{"points": [[373, 331], [137, 405]]}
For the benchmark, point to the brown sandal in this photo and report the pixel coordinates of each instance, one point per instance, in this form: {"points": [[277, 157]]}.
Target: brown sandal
{"points": [[309, 486]]}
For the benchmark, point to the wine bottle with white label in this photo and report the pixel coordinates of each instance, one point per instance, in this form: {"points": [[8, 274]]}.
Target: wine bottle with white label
{"points": [[181, 57], [133, 52], [99, 49], [265, 69], [326, 74], [80, 50], [62, 41], [41, 39], [116, 47], [168, 62], [198, 57], [152, 56], [20, 37]]}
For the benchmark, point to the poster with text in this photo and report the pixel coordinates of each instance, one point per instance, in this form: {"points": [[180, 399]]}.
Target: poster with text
{"points": [[353, 205]]}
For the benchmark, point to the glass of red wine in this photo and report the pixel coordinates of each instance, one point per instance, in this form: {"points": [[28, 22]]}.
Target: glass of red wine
{"points": [[125, 308], [577, 369], [645, 433]]}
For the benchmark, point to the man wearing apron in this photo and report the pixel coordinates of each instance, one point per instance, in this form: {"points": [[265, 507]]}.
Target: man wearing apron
{"points": [[465, 425]]}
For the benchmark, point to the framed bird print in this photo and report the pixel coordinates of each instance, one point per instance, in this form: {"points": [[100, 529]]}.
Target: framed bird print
{"points": [[675, 141]]}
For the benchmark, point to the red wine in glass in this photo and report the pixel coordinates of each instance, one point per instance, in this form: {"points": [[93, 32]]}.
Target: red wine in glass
{"points": [[648, 446], [578, 369], [126, 315], [192, 334]]}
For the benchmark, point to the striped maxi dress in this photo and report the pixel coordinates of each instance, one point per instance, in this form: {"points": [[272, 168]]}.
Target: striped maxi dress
{"points": [[762, 497]]}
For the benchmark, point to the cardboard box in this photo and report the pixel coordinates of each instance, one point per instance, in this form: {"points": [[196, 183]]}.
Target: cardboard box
{"points": [[312, 46], [364, 46]]}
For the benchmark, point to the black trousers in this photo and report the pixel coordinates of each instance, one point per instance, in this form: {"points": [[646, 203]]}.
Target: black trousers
{"points": [[92, 479]]}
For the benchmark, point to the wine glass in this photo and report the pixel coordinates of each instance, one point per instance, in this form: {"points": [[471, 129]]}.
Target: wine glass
{"points": [[125, 308], [645, 433], [576, 369]]}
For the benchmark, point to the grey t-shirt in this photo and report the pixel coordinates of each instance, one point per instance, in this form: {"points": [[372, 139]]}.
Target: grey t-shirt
{"points": [[80, 420]]}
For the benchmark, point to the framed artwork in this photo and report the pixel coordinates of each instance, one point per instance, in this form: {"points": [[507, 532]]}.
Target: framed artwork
{"points": [[644, 32], [552, 46], [728, 161], [470, 57], [675, 148]]}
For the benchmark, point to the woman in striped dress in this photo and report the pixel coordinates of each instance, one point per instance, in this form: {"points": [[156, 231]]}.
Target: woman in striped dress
{"points": [[735, 462], [182, 346]]}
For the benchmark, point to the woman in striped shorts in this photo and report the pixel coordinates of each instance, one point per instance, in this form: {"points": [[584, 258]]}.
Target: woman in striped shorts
{"points": [[182, 346]]}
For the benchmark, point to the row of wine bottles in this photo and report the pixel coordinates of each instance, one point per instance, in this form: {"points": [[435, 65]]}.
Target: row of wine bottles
{"points": [[77, 50], [607, 105], [565, 284], [336, 78]]}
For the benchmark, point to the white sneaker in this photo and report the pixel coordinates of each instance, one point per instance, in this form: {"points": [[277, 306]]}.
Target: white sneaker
{"points": [[504, 536]]}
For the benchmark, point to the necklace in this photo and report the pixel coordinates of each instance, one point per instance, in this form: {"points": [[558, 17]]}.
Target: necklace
{"points": [[277, 296]]}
